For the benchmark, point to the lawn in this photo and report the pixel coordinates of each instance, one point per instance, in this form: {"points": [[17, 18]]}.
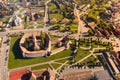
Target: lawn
{"points": [[12, 0], [40, 67], [73, 41], [90, 60], [85, 44], [30, 27], [74, 26], [40, 26], [55, 66], [61, 61], [22, 10], [52, 36], [52, 7], [81, 54], [95, 44], [59, 17], [54, 47], [16, 59]]}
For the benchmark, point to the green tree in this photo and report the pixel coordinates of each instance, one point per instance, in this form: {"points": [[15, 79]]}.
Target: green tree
{"points": [[91, 32], [42, 35]]}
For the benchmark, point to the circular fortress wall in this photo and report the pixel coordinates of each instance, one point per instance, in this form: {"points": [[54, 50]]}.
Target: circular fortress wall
{"points": [[35, 44]]}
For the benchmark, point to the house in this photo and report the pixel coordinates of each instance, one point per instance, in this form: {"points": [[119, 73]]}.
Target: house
{"points": [[32, 15], [98, 33], [102, 75], [53, 20], [17, 21], [106, 33], [19, 74], [117, 31], [92, 24], [43, 74], [75, 20], [3, 1], [26, 74], [65, 20]]}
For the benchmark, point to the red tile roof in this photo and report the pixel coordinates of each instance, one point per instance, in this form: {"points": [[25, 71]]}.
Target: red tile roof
{"points": [[115, 54], [117, 14], [75, 20], [53, 20], [32, 11], [65, 20], [117, 32], [18, 74]]}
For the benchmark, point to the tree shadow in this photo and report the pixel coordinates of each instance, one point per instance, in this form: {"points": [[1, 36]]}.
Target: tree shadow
{"points": [[26, 76], [16, 50], [47, 74]]}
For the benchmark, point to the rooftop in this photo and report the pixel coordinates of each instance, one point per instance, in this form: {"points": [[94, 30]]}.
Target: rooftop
{"points": [[18, 74]]}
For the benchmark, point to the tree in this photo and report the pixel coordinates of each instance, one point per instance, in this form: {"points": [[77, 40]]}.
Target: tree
{"points": [[26, 44], [91, 32], [104, 16], [42, 40]]}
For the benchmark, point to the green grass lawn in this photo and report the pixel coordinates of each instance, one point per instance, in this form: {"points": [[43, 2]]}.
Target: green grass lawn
{"points": [[40, 26], [59, 17], [30, 27], [12, 0], [40, 67], [81, 54], [95, 44], [52, 7], [16, 59], [91, 59], [22, 10], [73, 41], [55, 66], [54, 47], [45, 66], [74, 26], [85, 44], [61, 61], [52, 36]]}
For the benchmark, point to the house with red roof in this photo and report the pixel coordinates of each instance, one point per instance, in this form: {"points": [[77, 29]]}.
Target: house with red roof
{"points": [[26, 74], [65, 20], [53, 20], [75, 20], [20, 74], [117, 31]]}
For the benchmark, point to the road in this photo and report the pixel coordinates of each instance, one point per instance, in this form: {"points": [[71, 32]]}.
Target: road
{"points": [[5, 50], [81, 24], [4, 59], [46, 18]]}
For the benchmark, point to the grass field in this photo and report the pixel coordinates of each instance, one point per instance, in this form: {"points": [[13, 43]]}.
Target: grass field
{"points": [[91, 59], [40, 67], [81, 54], [16, 59], [56, 16]]}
